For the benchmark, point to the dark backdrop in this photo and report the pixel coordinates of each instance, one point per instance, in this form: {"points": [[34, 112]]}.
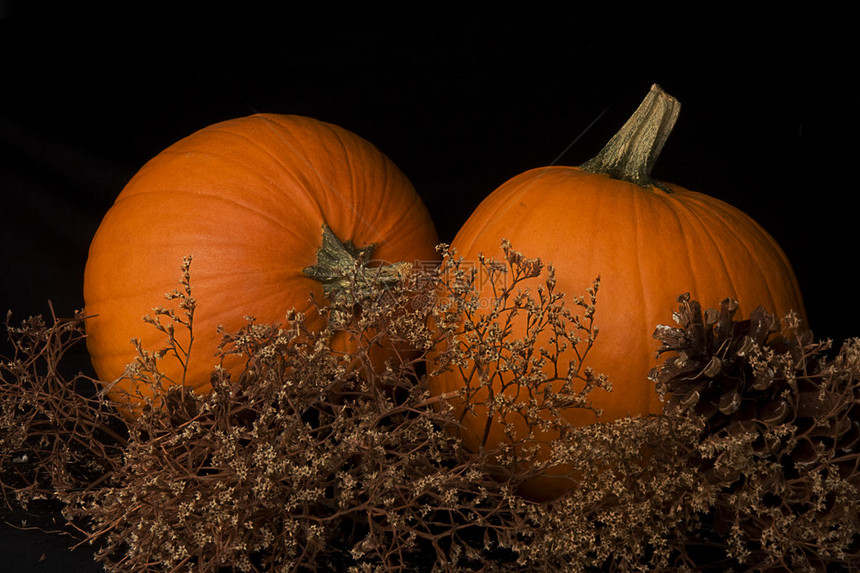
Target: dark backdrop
{"points": [[461, 99]]}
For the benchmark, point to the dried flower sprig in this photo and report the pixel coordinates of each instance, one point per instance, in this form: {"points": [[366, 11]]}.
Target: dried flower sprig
{"points": [[143, 375]]}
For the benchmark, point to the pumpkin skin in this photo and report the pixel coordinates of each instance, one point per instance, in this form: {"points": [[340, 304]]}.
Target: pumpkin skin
{"points": [[648, 244], [247, 198]]}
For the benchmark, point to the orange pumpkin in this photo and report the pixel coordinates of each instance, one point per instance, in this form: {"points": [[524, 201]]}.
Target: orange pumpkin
{"points": [[647, 241], [248, 199]]}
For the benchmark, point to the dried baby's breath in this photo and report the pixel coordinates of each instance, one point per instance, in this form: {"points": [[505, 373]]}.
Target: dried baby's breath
{"points": [[317, 459]]}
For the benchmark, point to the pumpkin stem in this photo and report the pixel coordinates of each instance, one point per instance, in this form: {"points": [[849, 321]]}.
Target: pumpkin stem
{"points": [[632, 152], [342, 269]]}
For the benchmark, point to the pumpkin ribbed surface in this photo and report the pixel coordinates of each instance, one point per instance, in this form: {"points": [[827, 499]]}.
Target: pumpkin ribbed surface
{"points": [[647, 241], [647, 247], [247, 198]]}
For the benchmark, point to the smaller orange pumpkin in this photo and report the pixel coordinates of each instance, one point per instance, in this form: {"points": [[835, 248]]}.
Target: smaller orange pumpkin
{"points": [[249, 199], [647, 241]]}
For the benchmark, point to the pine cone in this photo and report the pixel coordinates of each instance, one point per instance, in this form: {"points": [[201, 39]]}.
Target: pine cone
{"points": [[781, 447]]}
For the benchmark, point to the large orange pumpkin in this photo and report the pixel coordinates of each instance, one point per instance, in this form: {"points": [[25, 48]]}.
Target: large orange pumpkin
{"points": [[248, 199], [647, 241]]}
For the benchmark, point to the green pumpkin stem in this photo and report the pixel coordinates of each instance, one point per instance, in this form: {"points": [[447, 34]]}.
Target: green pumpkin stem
{"points": [[342, 269], [632, 152]]}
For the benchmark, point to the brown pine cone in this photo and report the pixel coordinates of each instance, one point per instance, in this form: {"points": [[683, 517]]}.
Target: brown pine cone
{"points": [[781, 447]]}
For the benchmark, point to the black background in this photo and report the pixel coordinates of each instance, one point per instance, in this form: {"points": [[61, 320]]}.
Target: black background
{"points": [[460, 98]]}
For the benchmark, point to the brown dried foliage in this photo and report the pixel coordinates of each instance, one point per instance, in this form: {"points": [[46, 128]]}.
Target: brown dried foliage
{"points": [[54, 435], [303, 464]]}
